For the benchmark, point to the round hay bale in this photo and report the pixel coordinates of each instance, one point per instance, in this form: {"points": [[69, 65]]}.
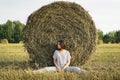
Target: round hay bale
{"points": [[21, 42], [60, 20], [4, 41], [100, 42]]}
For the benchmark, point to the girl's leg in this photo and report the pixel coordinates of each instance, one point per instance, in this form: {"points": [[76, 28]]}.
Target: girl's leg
{"points": [[75, 69], [46, 69]]}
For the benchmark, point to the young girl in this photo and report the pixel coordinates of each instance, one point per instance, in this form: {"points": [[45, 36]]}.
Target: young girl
{"points": [[61, 59]]}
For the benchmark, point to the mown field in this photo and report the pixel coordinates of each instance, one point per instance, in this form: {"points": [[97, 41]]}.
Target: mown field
{"points": [[104, 64]]}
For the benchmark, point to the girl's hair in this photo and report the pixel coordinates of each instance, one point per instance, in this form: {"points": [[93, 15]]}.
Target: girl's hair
{"points": [[62, 44]]}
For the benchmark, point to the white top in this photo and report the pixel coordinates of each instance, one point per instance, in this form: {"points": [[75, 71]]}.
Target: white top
{"points": [[61, 58]]}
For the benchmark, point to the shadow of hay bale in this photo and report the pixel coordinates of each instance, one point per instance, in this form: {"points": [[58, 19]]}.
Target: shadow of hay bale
{"points": [[55, 21], [15, 64]]}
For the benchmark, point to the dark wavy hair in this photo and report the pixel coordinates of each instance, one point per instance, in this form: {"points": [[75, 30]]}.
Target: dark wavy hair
{"points": [[62, 44]]}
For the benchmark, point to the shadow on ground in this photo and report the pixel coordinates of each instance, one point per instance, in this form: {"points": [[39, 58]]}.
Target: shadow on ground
{"points": [[14, 65]]}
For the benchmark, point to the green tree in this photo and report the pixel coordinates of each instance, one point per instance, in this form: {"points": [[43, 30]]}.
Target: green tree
{"points": [[18, 35], [100, 34], [6, 31], [106, 38], [11, 31], [112, 38], [1, 32], [117, 36]]}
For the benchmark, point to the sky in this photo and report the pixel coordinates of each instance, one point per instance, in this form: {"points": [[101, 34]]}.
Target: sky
{"points": [[105, 13]]}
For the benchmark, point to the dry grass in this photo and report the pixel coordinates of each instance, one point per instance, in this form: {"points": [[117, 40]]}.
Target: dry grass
{"points": [[104, 64], [12, 54]]}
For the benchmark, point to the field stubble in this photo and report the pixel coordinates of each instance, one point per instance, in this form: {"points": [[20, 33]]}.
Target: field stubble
{"points": [[104, 64]]}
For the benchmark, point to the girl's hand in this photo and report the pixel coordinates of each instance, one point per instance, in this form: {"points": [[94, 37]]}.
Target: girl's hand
{"points": [[62, 69], [59, 69]]}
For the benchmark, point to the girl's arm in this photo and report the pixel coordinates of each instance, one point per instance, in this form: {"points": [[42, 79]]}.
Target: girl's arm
{"points": [[66, 65], [56, 65]]}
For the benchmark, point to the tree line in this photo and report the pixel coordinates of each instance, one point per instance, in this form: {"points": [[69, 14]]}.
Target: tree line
{"points": [[111, 37], [12, 31]]}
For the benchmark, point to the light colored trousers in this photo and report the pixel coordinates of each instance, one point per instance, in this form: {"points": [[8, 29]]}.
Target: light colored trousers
{"points": [[53, 69]]}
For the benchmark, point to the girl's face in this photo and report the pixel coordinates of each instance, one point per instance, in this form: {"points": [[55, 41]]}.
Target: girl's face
{"points": [[58, 46]]}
